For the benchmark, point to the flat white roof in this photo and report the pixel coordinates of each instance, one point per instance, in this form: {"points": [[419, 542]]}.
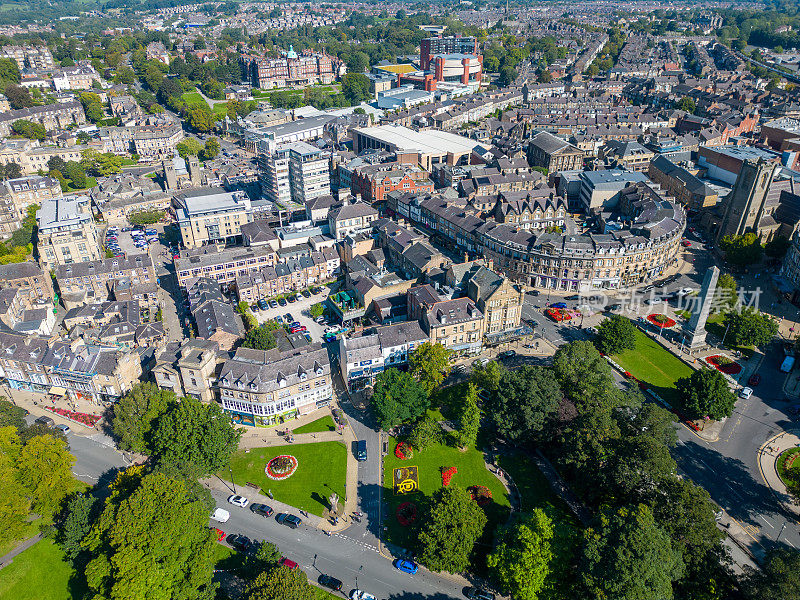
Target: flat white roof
{"points": [[423, 142]]}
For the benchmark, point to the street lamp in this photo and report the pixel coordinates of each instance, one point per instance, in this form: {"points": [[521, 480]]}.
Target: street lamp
{"points": [[361, 568], [232, 481]]}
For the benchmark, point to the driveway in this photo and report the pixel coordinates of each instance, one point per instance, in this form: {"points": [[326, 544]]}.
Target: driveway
{"points": [[299, 311]]}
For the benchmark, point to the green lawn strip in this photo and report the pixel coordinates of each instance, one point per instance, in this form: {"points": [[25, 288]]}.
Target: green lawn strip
{"points": [[533, 487], [30, 530], [655, 365], [40, 573], [220, 108], [193, 98], [324, 424], [471, 471], [790, 478], [716, 326], [322, 468]]}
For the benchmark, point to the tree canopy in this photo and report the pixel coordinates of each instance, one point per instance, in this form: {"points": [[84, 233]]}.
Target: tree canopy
{"points": [[136, 415], [430, 365], [448, 535], [616, 334], [398, 398], [748, 327], [705, 393], [281, 583]]}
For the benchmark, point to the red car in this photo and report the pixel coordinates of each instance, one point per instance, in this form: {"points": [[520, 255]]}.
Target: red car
{"points": [[686, 243], [288, 563], [755, 379], [300, 329], [220, 534]]}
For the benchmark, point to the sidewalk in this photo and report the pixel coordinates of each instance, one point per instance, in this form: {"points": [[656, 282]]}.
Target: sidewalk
{"points": [[768, 455], [35, 403], [21, 547]]}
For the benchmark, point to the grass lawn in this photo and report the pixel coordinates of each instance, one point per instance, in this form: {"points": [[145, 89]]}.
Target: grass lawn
{"points": [[534, 489], [652, 363], [324, 424], [716, 326], [193, 98], [40, 573], [220, 108], [790, 477], [322, 468], [471, 471]]}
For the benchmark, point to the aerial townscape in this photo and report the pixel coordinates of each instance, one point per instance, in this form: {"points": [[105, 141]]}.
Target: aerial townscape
{"points": [[483, 299]]}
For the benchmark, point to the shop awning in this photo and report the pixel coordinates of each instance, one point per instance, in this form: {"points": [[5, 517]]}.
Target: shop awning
{"points": [[58, 391]]}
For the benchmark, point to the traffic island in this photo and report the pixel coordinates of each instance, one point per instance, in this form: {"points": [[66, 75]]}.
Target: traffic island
{"points": [[779, 464]]}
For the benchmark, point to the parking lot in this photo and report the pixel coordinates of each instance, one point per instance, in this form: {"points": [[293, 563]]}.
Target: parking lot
{"points": [[300, 311], [126, 241]]}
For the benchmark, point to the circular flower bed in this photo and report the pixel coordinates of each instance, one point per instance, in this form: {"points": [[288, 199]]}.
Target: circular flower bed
{"points": [[724, 364], [281, 467], [403, 451], [481, 494], [662, 321], [406, 513]]}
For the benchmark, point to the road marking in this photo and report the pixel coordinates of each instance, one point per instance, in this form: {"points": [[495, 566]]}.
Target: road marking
{"points": [[765, 521], [790, 543]]}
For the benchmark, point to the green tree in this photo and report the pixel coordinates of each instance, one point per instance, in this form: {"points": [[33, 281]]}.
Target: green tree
{"points": [[616, 334], [524, 402], [748, 327], [151, 540], [19, 97], [199, 117], [190, 146], [125, 76], [426, 433], [281, 583], [136, 416], [725, 295], [266, 557], [741, 250], [211, 149], [469, 421], [686, 104], [778, 578], [521, 561], [453, 526], [44, 468], [9, 72], [79, 514], [198, 433], [76, 175], [626, 556], [507, 75], [15, 503], [585, 376], [357, 63], [213, 89], [261, 338], [705, 393], [430, 365], [316, 310], [487, 377], [355, 88], [94, 112], [11, 414], [28, 129], [398, 398]]}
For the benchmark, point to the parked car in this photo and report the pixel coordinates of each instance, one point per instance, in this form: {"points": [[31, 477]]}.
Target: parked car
{"points": [[558, 305], [240, 542], [320, 319], [262, 304], [508, 354], [476, 593], [306, 294], [361, 595], [239, 501], [288, 520], [288, 563], [281, 301], [330, 582], [220, 515], [296, 324], [754, 380], [261, 509], [746, 393], [686, 243], [45, 420], [64, 429], [220, 534], [612, 307], [273, 304], [279, 320], [291, 298], [405, 565], [289, 318]]}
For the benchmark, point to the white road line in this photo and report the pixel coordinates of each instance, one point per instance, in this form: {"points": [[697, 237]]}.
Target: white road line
{"points": [[790, 543], [765, 521]]}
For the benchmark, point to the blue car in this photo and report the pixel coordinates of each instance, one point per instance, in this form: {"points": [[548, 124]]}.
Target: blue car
{"points": [[558, 305], [406, 566]]}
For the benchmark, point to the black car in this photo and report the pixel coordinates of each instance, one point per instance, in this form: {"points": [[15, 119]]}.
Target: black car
{"points": [[240, 542], [475, 593], [288, 520], [330, 582], [611, 307], [261, 509]]}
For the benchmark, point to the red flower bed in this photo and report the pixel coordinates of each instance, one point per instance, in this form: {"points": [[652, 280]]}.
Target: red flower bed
{"points": [[281, 467], [406, 513], [557, 314], [481, 494], [662, 321], [447, 474], [724, 364], [403, 451], [82, 418]]}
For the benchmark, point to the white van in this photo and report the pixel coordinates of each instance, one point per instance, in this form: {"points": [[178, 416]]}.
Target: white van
{"points": [[220, 515]]}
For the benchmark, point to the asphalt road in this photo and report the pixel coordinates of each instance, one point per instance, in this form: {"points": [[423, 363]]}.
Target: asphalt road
{"points": [[340, 556]]}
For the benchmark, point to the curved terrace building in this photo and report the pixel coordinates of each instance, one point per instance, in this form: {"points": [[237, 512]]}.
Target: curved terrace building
{"points": [[631, 244]]}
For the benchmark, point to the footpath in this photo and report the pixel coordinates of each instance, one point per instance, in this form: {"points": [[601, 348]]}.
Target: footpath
{"points": [[768, 455]]}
